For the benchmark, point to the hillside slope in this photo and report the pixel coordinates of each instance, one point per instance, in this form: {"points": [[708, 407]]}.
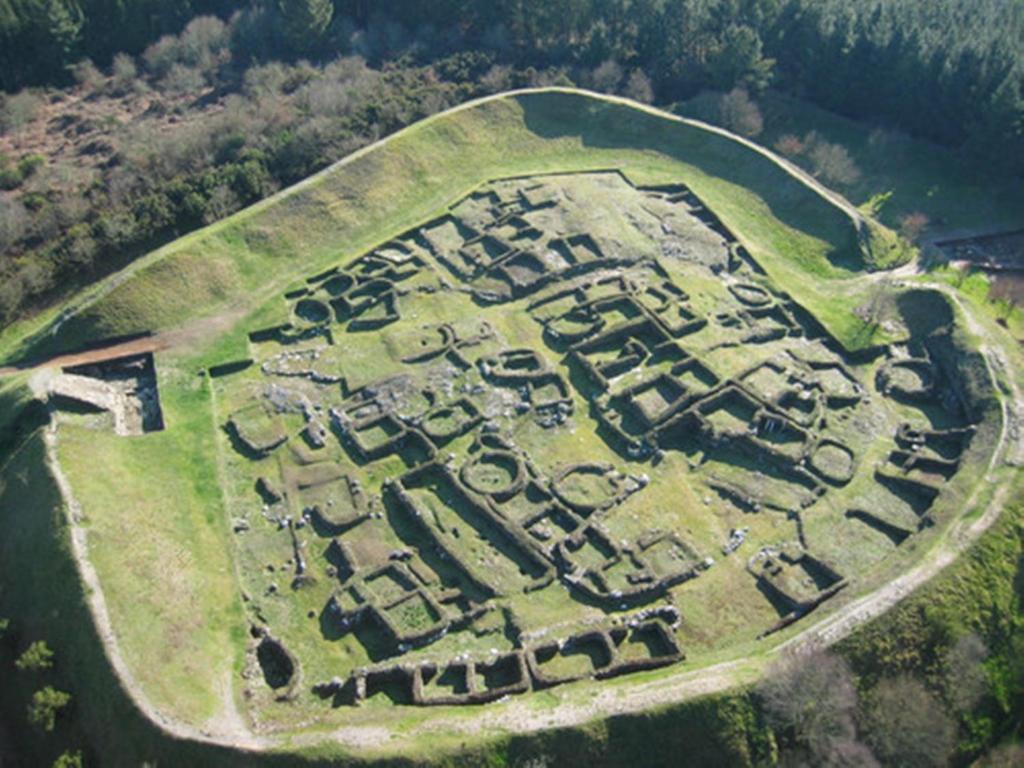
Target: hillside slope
{"points": [[790, 223]]}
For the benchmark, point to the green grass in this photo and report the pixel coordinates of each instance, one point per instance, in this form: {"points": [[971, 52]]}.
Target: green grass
{"points": [[158, 540]]}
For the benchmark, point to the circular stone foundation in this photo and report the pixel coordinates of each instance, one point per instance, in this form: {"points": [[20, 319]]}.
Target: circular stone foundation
{"points": [[833, 461], [312, 312], [585, 487], [494, 473], [750, 294], [911, 377], [338, 284]]}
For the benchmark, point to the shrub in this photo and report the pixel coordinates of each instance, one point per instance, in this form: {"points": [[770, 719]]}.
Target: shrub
{"points": [[18, 110], [10, 176], [87, 75], [124, 72], [46, 704], [29, 164], [78, 246], [36, 658]]}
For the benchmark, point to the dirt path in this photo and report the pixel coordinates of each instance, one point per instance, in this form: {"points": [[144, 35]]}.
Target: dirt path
{"points": [[187, 336], [98, 354]]}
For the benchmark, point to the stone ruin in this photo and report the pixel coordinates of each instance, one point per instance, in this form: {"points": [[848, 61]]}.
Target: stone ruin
{"points": [[124, 387], [394, 456]]}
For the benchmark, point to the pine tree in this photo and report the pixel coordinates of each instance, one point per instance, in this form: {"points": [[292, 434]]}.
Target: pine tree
{"points": [[305, 22], [45, 705]]}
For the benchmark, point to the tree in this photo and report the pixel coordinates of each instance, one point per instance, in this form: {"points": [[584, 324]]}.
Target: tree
{"points": [[69, 760], [810, 695], [906, 725], [738, 61], [739, 113], [36, 658], [606, 77], [789, 145], [305, 22], [964, 676], [638, 87], [912, 225], [64, 22], [46, 704], [4, 626], [831, 162]]}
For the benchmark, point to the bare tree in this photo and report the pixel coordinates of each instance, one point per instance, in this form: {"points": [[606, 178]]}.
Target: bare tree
{"points": [[964, 673], [182, 80], [1005, 756], [906, 725], [14, 222], [606, 77], [124, 73], [832, 162], [913, 224], [638, 87], [739, 113], [790, 145], [498, 78], [18, 110], [222, 203], [811, 695], [849, 754]]}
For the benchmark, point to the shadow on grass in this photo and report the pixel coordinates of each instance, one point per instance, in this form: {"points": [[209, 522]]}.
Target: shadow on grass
{"points": [[605, 125]]}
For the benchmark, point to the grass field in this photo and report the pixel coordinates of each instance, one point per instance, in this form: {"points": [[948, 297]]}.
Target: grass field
{"points": [[162, 546]]}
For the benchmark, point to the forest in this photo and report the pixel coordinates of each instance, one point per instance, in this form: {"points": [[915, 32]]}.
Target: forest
{"points": [[194, 109]]}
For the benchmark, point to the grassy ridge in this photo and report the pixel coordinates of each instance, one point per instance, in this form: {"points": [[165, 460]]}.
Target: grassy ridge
{"points": [[377, 193], [158, 540], [41, 594]]}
